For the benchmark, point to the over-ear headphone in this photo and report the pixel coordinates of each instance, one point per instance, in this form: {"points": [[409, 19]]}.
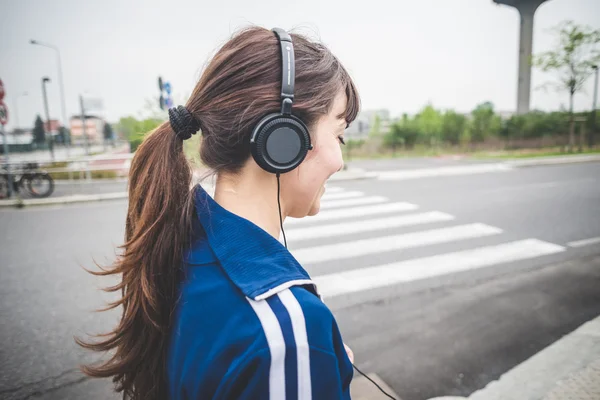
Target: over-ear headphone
{"points": [[280, 141]]}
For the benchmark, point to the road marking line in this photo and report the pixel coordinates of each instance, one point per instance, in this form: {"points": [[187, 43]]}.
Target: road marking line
{"points": [[353, 202], [422, 268], [353, 212], [341, 195], [363, 247], [369, 225], [584, 242]]}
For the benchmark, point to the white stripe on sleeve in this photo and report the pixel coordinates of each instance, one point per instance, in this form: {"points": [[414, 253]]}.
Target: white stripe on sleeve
{"points": [[276, 344], [302, 350]]}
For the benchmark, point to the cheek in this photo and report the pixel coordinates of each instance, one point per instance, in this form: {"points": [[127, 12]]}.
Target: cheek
{"points": [[319, 165], [330, 158]]}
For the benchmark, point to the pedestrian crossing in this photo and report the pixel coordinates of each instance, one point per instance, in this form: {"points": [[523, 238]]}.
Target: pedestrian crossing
{"points": [[354, 228]]}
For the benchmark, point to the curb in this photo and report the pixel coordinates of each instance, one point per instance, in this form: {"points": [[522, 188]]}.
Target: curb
{"points": [[554, 160], [555, 368]]}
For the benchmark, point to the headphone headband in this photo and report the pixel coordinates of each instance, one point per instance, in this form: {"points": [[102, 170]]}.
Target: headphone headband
{"points": [[288, 71], [280, 140]]}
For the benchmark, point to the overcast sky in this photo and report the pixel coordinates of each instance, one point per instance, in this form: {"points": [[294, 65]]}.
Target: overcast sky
{"points": [[401, 54]]}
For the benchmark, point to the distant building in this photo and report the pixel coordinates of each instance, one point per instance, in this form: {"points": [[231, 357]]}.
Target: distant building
{"points": [[359, 128], [94, 130], [52, 126], [383, 113]]}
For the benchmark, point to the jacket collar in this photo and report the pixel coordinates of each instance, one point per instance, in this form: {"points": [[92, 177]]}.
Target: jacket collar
{"points": [[258, 264]]}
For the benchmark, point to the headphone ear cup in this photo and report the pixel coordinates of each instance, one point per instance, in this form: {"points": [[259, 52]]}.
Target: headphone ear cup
{"points": [[279, 143]]}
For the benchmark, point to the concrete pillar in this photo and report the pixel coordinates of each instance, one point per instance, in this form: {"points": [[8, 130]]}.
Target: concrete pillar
{"points": [[526, 10], [525, 51]]}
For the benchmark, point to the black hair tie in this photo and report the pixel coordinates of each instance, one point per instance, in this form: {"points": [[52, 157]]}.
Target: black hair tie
{"points": [[183, 122]]}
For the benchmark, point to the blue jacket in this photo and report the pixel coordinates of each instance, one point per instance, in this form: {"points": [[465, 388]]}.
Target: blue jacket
{"points": [[249, 322]]}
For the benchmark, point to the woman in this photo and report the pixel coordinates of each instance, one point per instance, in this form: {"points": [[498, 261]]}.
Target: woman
{"points": [[214, 306]]}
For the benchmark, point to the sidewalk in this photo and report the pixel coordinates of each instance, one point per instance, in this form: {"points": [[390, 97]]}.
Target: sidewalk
{"points": [[568, 369]]}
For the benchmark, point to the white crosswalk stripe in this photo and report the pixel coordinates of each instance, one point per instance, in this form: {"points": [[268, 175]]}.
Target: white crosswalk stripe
{"points": [[369, 225], [334, 189], [352, 202], [390, 274], [342, 195], [329, 215], [348, 213]]}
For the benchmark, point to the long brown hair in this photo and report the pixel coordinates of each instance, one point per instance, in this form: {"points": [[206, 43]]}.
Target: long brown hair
{"points": [[239, 85]]}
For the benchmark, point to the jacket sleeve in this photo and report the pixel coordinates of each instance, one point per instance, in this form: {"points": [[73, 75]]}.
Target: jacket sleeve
{"points": [[260, 377]]}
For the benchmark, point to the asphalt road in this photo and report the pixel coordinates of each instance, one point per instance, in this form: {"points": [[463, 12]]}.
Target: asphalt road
{"points": [[447, 331]]}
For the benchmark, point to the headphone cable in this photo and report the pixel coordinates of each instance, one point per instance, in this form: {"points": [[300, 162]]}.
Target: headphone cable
{"points": [[279, 205], [285, 243], [374, 383]]}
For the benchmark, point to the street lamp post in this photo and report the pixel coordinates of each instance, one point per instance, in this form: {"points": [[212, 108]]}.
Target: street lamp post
{"points": [[62, 87], [593, 132], [51, 140], [16, 103]]}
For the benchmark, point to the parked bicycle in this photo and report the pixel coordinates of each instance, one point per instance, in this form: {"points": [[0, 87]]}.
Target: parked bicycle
{"points": [[29, 176]]}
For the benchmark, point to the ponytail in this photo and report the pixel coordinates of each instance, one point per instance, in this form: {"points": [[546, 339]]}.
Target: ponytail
{"points": [[158, 228]]}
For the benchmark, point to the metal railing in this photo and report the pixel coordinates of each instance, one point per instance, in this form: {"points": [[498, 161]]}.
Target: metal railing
{"points": [[84, 166]]}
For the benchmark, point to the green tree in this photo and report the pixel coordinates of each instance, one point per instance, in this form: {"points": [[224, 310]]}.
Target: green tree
{"points": [[376, 128], [453, 127], [107, 131], [352, 144], [39, 134], [65, 135], [535, 124], [429, 124], [61, 136], [394, 138], [135, 130], [402, 133], [484, 122], [538, 124], [572, 59], [513, 128]]}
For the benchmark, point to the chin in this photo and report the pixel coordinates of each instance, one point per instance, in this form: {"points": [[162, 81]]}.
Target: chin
{"points": [[314, 210]]}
